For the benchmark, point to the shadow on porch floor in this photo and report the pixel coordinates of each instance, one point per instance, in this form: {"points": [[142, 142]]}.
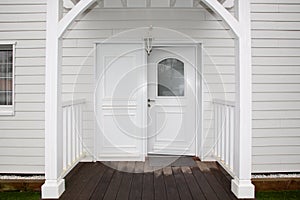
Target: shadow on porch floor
{"points": [[137, 180]]}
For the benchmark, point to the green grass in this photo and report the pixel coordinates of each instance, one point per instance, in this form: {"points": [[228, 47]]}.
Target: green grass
{"points": [[20, 195], [280, 195]]}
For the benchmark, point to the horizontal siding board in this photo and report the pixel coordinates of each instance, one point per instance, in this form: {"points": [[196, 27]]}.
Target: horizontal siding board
{"points": [[27, 98], [38, 152], [279, 167], [274, 159], [266, 141], [24, 17], [144, 14], [22, 26], [276, 79], [25, 116], [280, 150], [22, 169], [278, 105], [275, 132], [276, 96], [290, 17], [20, 134], [125, 24], [272, 114], [22, 160], [22, 143], [8, 8], [275, 70]]}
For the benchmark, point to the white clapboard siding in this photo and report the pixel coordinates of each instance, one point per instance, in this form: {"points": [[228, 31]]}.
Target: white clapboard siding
{"points": [[276, 85], [22, 135]]}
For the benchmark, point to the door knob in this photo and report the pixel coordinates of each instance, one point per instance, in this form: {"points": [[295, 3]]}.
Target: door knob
{"points": [[151, 100]]}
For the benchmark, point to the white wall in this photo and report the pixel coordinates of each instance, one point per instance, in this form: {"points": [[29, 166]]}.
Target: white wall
{"points": [[22, 135], [276, 85]]}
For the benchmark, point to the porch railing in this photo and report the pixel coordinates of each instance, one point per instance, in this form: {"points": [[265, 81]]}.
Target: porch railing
{"points": [[224, 134], [72, 134]]}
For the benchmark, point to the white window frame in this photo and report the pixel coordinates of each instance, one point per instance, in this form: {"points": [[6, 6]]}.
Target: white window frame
{"points": [[9, 110]]}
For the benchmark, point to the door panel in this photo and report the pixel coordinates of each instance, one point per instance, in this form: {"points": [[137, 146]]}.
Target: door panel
{"points": [[171, 100], [120, 102]]}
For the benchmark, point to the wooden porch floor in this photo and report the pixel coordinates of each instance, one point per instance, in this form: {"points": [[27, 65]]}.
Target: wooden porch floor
{"points": [[200, 180]]}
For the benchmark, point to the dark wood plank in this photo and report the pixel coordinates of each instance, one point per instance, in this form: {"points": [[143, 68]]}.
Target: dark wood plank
{"points": [[182, 188], [74, 172], [195, 190], [89, 188], [172, 192], [148, 187], [159, 185], [136, 187], [214, 183], [103, 184], [113, 188], [76, 183], [223, 181], [125, 186], [208, 192]]}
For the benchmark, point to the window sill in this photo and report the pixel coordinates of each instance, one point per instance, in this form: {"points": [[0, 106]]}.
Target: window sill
{"points": [[7, 111]]}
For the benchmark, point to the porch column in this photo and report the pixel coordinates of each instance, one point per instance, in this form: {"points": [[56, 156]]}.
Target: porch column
{"points": [[241, 186], [54, 185]]}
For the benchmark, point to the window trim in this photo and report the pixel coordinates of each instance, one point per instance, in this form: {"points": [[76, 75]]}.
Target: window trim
{"points": [[9, 110]]}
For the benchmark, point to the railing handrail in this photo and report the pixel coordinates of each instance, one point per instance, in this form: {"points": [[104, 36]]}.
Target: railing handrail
{"points": [[73, 102], [224, 102]]}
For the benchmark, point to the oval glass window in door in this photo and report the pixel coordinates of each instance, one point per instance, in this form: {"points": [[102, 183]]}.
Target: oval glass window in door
{"points": [[170, 77]]}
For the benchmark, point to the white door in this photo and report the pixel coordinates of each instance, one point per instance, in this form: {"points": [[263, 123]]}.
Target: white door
{"points": [[121, 102], [171, 100]]}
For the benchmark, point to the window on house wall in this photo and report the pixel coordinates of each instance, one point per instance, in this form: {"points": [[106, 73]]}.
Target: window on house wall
{"points": [[6, 79]]}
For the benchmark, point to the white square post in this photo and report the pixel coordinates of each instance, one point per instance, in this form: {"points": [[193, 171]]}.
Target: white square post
{"points": [[54, 185], [241, 186]]}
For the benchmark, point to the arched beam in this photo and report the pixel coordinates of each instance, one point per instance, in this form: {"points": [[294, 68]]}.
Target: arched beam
{"points": [[67, 20], [230, 20]]}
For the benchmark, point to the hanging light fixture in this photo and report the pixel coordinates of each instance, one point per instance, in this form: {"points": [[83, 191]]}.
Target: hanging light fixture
{"points": [[148, 41]]}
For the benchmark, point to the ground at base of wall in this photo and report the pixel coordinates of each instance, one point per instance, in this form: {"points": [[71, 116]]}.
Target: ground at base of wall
{"points": [[276, 184], [21, 185], [278, 195], [20, 195]]}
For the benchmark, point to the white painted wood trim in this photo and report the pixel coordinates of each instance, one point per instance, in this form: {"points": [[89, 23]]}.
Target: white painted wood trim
{"points": [[241, 186], [54, 185], [9, 110], [73, 102], [67, 20], [224, 102], [229, 19]]}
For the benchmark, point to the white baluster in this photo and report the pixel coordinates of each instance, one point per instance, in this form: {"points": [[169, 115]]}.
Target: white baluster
{"points": [[231, 138], [216, 128], [227, 135], [69, 138], [65, 139], [80, 130], [223, 132]]}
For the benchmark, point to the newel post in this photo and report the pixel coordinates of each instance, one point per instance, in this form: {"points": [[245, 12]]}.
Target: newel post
{"points": [[54, 185], [241, 185]]}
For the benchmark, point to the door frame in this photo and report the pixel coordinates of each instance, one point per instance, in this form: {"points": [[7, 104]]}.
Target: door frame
{"points": [[199, 137]]}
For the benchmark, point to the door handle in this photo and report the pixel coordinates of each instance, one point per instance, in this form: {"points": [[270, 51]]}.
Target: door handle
{"points": [[151, 100]]}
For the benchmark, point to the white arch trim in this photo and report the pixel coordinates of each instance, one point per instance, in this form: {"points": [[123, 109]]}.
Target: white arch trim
{"points": [[229, 19], [69, 18]]}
